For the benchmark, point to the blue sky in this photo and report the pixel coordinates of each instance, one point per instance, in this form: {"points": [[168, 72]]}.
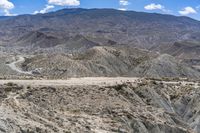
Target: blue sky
{"points": [[189, 8]]}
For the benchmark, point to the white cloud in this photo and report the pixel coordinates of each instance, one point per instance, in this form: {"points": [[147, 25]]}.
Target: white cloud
{"points": [[7, 13], [154, 6], [6, 6], [188, 10], [123, 5], [45, 10], [122, 9], [52, 3], [124, 2], [64, 2]]}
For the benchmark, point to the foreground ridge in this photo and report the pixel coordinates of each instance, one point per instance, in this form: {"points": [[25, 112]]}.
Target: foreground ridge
{"points": [[99, 105]]}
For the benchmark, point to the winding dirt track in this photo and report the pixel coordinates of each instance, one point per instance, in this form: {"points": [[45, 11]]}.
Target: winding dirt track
{"points": [[14, 67]]}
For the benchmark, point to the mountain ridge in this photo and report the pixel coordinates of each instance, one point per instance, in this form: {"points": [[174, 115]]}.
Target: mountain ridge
{"points": [[145, 30], [89, 9]]}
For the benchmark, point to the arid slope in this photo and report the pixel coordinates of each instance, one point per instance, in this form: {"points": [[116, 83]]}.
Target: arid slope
{"points": [[126, 105]]}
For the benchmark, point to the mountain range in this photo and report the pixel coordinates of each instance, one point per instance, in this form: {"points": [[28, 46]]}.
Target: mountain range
{"points": [[91, 32], [100, 26]]}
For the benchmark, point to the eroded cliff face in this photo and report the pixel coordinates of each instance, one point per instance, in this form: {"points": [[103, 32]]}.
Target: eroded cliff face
{"points": [[142, 106]]}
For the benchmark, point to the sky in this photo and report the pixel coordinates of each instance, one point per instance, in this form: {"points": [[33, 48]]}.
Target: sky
{"points": [[190, 8]]}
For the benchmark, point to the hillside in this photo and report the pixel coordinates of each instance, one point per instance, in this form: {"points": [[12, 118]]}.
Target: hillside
{"points": [[186, 51], [99, 105], [109, 62], [100, 26], [165, 66]]}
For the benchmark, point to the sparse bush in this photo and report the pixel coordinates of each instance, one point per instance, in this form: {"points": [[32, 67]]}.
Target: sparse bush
{"points": [[118, 87], [12, 87], [172, 97], [10, 84], [8, 89], [143, 83], [28, 87]]}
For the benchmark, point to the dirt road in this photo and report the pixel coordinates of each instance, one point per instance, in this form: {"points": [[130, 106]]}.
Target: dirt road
{"points": [[73, 81], [101, 81], [17, 69]]}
